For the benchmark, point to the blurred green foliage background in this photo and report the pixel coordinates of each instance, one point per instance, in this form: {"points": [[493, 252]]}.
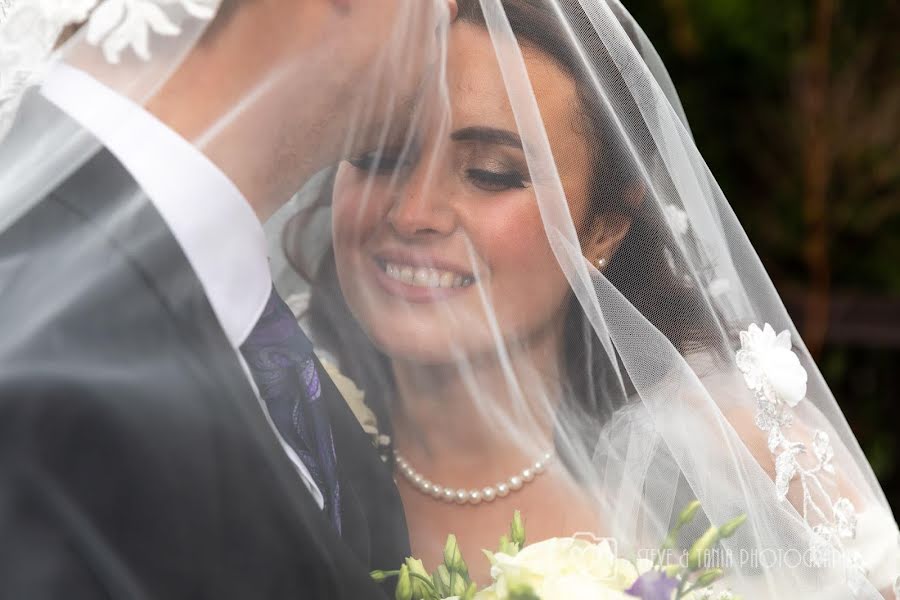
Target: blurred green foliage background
{"points": [[796, 107]]}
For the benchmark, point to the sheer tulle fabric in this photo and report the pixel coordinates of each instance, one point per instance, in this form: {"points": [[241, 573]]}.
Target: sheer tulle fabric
{"points": [[126, 53], [668, 409], [670, 382]]}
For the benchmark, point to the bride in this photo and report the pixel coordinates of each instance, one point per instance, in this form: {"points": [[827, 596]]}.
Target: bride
{"points": [[550, 307]]}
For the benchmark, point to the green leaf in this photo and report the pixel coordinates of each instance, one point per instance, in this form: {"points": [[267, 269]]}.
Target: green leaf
{"points": [[404, 585], [708, 578], [731, 526], [441, 578], [470, 592], [453, 557], [699, 548], [687, 515], [517, 530], [522, 592]]}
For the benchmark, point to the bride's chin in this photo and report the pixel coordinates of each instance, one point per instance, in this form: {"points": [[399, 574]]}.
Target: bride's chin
{"points": [[422, 346], [438, 354], [424, 355]]}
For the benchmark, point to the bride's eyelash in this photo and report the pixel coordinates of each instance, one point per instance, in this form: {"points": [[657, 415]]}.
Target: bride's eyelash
{"points": [[494, 181]]}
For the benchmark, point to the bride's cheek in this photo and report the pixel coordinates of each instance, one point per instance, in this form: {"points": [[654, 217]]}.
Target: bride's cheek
{"points": [[515, 248], [355, 215]]}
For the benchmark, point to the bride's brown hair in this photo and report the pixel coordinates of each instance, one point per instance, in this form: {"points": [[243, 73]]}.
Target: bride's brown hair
{"points": [[672, 302]]}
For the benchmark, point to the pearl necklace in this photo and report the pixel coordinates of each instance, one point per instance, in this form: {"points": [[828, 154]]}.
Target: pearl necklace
{"points": [[474, 496]]}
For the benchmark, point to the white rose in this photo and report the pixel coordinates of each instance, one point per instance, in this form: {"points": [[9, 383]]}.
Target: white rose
{"points": [[563, 568], [769, 364], [786, 375], [355, 397], [678, 219]]}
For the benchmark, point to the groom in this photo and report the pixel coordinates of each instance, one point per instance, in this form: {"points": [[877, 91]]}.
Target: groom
{"points": [[165, 430]]}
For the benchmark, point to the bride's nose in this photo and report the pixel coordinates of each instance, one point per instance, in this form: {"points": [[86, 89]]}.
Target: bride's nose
{"points": [[421, 207]]}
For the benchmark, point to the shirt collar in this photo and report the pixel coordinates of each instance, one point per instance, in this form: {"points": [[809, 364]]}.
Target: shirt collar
{"points": [[211, 220]]}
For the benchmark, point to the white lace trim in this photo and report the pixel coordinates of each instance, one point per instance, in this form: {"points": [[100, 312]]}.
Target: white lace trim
{"points": [[774, 373], [119, 24], [30, 28]]}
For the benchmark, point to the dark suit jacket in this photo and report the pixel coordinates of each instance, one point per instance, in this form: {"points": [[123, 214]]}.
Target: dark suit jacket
{"points": [[135, 461]]}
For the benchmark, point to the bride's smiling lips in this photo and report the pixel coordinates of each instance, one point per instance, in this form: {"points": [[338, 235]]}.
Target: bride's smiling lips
{"points": [[417, 277]]}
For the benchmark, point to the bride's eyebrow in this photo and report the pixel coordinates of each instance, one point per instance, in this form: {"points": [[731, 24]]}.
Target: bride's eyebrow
{"points": [[488, 135]]}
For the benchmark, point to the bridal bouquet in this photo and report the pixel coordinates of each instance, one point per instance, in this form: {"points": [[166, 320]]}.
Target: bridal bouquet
{"points": [[568, 568]]}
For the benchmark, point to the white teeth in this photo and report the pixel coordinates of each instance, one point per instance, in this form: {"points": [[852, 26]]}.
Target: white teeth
{"points": [[425, 277], [422, 277]]}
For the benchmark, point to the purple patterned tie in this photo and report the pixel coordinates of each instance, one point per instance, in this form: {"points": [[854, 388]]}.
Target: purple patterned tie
{"points": [[281, 360]]}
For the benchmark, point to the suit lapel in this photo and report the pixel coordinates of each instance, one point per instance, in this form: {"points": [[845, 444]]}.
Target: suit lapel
{"points": [[373, 521]]}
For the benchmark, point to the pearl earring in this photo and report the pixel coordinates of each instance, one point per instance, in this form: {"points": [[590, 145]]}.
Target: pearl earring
{"points": [[601, 262]]}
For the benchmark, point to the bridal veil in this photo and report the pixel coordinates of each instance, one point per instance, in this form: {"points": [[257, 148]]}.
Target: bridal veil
{"points": [[683, 376], [679, 374]]}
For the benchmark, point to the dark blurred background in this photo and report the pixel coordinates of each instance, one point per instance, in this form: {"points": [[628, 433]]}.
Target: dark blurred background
{"points": [[796, 107]]}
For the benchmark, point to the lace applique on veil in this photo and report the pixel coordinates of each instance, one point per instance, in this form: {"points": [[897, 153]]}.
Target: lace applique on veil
{"points": [[773, 372], [31, 28]]}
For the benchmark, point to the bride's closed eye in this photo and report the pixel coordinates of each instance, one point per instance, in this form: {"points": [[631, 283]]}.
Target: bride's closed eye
{"points": [[494, 181], [491, 158]]}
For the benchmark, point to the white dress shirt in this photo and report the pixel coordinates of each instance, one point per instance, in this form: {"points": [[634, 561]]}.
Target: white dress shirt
{"points": [[210, 219]]}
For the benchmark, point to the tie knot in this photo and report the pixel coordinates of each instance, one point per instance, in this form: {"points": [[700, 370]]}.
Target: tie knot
{"points": [[277, 327]]}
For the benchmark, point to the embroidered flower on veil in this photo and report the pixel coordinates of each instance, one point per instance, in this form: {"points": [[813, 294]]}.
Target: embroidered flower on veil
{"points": [[118, 24], [774, 373], [30, 29], [678, 219], [770, 366]]}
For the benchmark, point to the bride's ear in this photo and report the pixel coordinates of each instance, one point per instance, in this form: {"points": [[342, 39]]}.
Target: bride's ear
{"points": [[610, 228], [606, 236]]}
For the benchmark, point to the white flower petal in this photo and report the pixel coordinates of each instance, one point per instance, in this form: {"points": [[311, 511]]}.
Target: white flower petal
{"points": [[845, 518], [158, 21], [822, 447], [139, 41], [785, 375], [113, 46], [200, 9], [775, 439], [785, 469], [118, 24], [783, 340], [104, 19], [719, 287]]}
